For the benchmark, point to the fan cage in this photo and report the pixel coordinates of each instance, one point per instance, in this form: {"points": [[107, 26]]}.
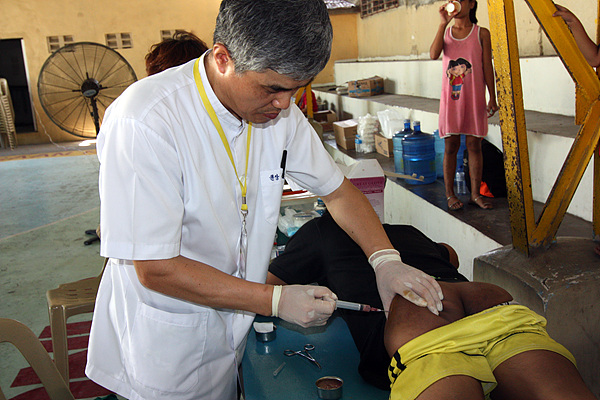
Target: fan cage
{"points": [[66, 79]]}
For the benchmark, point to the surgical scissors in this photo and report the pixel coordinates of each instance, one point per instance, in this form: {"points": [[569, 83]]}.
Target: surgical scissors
{"points": [[304, 353]]}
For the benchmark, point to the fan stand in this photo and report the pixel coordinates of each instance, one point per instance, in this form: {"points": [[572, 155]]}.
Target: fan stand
{"points": [[90, 89]]}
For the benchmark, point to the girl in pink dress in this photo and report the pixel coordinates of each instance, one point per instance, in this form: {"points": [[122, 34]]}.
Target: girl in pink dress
{"points": [[468, 71]]}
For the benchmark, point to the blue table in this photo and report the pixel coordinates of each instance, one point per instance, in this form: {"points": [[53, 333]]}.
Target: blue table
{"points": [[334, 350]]}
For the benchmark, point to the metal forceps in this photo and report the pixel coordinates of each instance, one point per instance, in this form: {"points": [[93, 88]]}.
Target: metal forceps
{"points": [[304, 353]]}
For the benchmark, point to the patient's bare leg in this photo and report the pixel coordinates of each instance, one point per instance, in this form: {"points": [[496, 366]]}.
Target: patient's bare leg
{"points": [[452, 388], [539, 374]]}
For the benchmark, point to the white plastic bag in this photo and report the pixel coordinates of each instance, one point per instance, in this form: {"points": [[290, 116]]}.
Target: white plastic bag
{"points": [[391, 121]]}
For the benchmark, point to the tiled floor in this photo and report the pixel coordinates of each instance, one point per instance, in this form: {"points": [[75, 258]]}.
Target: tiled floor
{"points": [[48, 198]]}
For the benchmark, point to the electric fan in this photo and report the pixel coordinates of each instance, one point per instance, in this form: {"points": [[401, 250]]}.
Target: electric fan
{"points": [[78, 82]]}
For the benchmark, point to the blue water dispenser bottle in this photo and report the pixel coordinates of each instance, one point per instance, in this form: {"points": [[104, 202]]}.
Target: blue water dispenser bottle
{"points": [[418, 152], [397, 145]]}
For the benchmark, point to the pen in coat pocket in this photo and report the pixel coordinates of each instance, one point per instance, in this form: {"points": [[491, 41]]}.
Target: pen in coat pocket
{"points": [[283, 160]]}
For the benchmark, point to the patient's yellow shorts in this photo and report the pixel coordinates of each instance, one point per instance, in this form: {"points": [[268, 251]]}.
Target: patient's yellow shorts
{"points": [[472, 346]]}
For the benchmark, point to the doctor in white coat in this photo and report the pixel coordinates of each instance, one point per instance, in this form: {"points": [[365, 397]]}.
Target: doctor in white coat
{"points": [[191, 180]]}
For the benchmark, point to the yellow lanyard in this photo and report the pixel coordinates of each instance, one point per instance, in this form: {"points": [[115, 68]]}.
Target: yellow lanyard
{"points": [[217, 124]]}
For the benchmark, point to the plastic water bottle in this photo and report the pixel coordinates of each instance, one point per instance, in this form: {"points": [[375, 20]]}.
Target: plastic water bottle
{"points": [[358, 144], [460, 156], [460, 183], [320, 206], [439, 154], [419, 155], [397, 144]]}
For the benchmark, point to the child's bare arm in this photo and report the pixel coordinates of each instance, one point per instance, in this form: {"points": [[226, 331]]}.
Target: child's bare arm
{"points": [[488, 71], [438, 41], [588, 48]]}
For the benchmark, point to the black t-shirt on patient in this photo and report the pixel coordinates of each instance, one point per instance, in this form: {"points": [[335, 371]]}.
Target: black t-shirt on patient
{"points": [[322, 252]]}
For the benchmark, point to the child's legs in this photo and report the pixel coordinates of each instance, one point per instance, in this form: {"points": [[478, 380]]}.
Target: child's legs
{"points": [[451, 146], [539, 374], [475, 163]]}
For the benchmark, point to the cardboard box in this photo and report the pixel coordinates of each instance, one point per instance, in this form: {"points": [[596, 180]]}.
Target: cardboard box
{"points": [[366, 87], [345, 132], [368, 177], [384, 145], [326, 119]]}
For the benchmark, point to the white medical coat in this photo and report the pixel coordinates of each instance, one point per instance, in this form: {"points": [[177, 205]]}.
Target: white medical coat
{"points": [[168, 188]]}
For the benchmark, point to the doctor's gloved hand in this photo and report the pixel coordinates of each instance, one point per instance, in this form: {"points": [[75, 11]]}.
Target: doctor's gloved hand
{"points": [[395, 277], [305, 305]]}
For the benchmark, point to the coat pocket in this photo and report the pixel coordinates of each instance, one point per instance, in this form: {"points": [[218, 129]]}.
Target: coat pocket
{"points": [[166, 349]]}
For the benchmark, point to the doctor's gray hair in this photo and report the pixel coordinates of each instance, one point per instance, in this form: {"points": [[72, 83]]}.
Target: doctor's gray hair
{"points": [[290, 37]]}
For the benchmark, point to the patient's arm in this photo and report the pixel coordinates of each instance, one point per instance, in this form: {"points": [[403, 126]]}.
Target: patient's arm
{"points": [[406, 321]]}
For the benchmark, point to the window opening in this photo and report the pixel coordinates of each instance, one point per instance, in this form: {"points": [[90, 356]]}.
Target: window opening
{"points": [[56, 42], [370, 7], [119, 40]]}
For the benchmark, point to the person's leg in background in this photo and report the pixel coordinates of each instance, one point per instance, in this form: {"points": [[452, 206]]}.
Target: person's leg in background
{"points": [[539, 374], [475, 171], [451, 146]]}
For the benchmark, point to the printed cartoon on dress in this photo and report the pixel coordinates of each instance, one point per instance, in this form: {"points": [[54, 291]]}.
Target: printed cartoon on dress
{"points": [[457, 70]]}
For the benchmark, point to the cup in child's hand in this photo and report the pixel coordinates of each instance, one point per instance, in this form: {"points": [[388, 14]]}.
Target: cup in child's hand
{"points": [[452, 7]]}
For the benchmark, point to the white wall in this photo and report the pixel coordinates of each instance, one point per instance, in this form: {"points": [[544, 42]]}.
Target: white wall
{"points": [[547, 154]]}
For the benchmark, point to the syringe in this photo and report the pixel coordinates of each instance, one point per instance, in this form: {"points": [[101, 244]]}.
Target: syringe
{"points": [[348, 305]]}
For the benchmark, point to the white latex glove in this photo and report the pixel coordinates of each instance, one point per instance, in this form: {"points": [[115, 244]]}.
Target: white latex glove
{"points": [[395, 277], [305, 305]]}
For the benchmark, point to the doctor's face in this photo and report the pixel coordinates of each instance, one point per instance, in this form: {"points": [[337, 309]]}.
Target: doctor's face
{"points": [[259, 97]]}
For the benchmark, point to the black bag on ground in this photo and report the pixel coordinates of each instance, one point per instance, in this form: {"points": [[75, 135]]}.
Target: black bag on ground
{"points": [[493, 169]]}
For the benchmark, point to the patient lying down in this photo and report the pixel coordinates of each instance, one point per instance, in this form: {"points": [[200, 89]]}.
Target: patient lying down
{"points": [[478, 347]]}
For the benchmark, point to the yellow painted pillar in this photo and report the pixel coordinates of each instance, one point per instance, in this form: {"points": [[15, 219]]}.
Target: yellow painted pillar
{"points": [[596, 190], [526, 232], [512, 121]]}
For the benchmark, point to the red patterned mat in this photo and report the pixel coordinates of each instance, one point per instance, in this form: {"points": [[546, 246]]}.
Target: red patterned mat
{"points": [[54, 154], [81, 387]]}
